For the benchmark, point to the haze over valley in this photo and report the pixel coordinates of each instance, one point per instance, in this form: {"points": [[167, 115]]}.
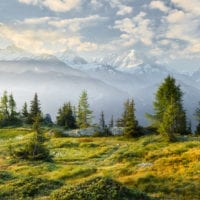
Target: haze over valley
{"points": [[109, 82]]}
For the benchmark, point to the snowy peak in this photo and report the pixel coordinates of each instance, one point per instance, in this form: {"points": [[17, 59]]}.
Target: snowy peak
{"points": [[150, 69], [124, 61], [13, 53], [71, 58]]}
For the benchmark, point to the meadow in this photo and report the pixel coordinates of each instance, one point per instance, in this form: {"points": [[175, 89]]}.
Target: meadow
{"points": [[149, 164]]}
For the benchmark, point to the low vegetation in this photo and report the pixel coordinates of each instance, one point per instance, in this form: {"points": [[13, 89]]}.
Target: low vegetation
{"points": [[148, 165], [98, 189]]}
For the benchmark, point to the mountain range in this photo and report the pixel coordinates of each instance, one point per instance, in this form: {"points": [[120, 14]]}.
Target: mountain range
{"points": [[108, 81]]}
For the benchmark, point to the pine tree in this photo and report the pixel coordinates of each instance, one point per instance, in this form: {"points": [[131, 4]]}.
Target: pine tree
{"points": [[84, 115], [102, 124], [4, 106], [197, 115], [111, 123], [36, 150], [168, 125], [35, 109], [8, 114], [25, 114], [12, 108], [65, 117], [167, 94], [131, 124], [189, 127], [48, 120], [25, 110]]}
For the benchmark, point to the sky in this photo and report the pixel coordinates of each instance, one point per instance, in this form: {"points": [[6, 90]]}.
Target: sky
{"points": [[167, 31]]}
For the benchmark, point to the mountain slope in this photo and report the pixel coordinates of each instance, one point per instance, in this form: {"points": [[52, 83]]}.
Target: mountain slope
{"points": [[109, 81], [57, 83]]}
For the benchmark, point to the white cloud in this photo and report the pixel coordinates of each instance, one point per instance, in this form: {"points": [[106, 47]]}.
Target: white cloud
{"points": [[44, 41], [180, 35], [96, 3], [176, 16], [75, 24], [124, 10], [159, 5], [55, 5], [174, 33], [192, 6], [35, 21], [183, 26], [136, 29], [34, 2]]}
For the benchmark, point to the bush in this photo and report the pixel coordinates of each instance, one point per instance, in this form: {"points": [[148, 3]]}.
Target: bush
{"points": [[5, 176], [33, 151], [25, 188], [97, 189]]}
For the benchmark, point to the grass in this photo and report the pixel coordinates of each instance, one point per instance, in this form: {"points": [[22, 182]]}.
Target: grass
{"points": [[149, 164]]}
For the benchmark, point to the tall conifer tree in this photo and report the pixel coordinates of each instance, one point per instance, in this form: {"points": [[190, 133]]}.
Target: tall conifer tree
{"points": [[130, 122], [111, 123], [197, 115], [65, 117], [35, 109], [102, 123], [84, 115], [168, 97], [12, 108], [4, 105]]}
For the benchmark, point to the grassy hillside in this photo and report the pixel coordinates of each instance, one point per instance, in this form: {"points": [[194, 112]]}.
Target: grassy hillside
{"points": [[148, 164]]}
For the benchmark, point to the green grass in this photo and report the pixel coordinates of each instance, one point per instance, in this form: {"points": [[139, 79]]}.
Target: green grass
{"points": [[149, 164]]}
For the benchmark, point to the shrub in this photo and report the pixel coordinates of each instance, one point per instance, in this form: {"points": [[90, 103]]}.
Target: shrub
{"points": [[5, 176], [97, 189], [25, 188], [33, 151]]}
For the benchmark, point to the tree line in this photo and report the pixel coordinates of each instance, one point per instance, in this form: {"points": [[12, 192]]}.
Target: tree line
{"points": [[169, 117]]}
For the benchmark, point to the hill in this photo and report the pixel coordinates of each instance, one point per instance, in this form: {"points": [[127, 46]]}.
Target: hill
{"points": [[149, 164]]}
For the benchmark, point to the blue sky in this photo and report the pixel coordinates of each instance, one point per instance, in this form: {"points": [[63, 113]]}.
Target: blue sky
{"points": [[166, 31]]}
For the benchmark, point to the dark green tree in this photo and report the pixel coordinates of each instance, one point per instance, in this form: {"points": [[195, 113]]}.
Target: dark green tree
{"points": [[12, 109], [197, 115], [130, 122], [120, 122], [4, 104], [169, 96], [25, 114], [84, 115], [35, 109], [25, 110], [189, 127], [48, 120], [111, 123], [168, 126], [8, 113], [102, 123], [65, 117], [35, 149]]}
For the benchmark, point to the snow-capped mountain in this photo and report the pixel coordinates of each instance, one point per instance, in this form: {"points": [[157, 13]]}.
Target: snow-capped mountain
{"points": [[71, 58], [38, 66], [109, 81], [125, 61], [13, 53], [56, 83]]}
